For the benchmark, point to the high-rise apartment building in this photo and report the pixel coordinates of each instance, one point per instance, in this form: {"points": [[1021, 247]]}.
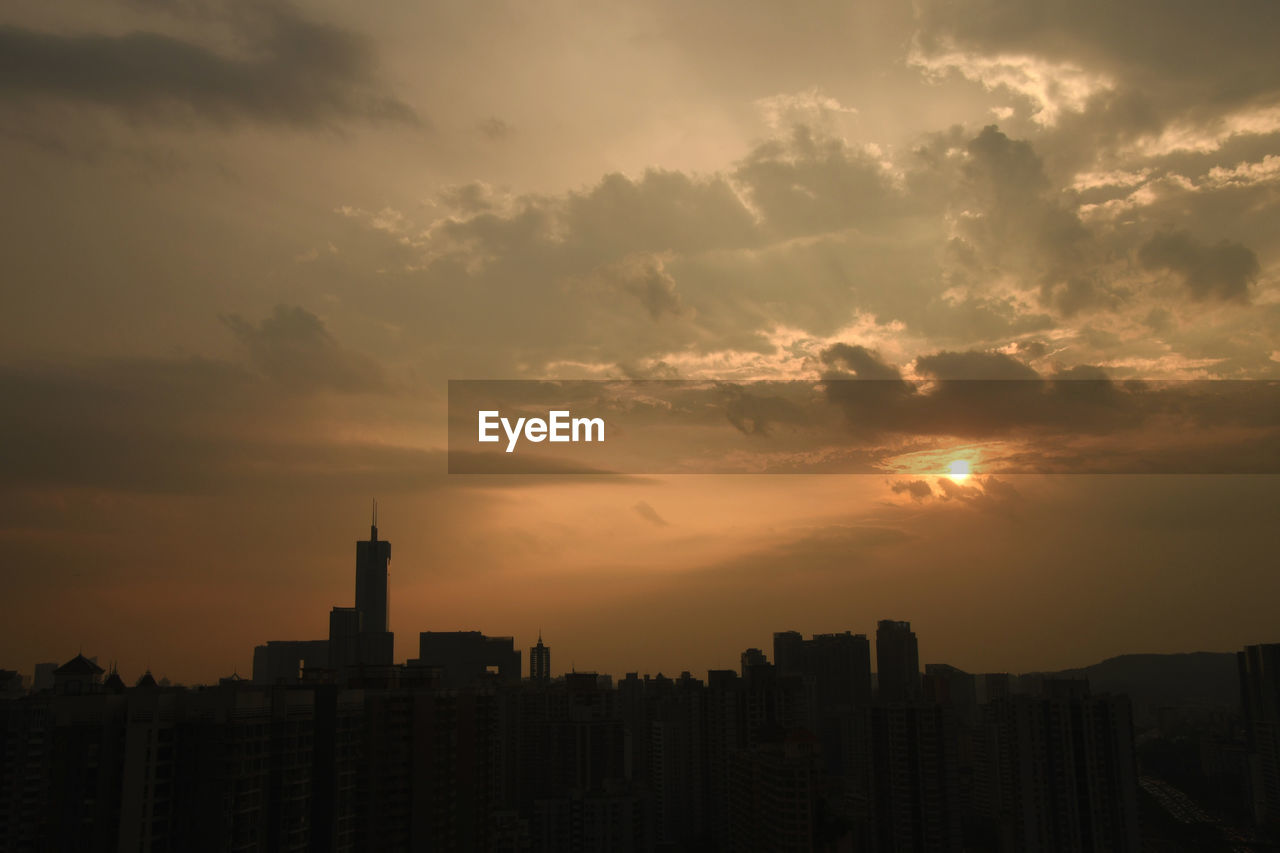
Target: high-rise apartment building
{"points": [[1260, 706], [897, 662]]}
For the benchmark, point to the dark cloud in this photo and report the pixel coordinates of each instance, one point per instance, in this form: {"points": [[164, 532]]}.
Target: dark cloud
{"points": [[918, 489], [974, 365], [650, 283], [662, 211], [1031, 349], [468, 199], [861, 362], [1156, 55], [1017, 222], [1224, 270], [188, 426], [649, 514], [758, 414], [812, 184], [291, 71], [293, 348], [495, 128]]}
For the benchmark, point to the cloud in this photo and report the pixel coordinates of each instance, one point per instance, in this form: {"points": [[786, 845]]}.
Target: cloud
{"points": [[1170, 58], [495, 128], [662, 210], [291, 71], [468, 199], [919, 490], [1051, 87], [860, 361], [974, 240], [811, 108], [758, 414], [189, 426], [1016, 226], [649, 514], [1221, 271], [293, 348], [974, 365], [646, 279], [813, 183]]}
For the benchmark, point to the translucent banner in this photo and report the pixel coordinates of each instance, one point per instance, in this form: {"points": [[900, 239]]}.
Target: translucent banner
{"points": [[853, 426]]}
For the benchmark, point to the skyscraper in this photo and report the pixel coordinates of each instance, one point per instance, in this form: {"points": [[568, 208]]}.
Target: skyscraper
{"points": [[540, 661], [372, 561], [897, 661], [376, 646]]}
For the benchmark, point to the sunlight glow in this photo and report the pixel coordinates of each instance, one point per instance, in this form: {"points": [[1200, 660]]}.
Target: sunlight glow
{"points": [[958, 470]]}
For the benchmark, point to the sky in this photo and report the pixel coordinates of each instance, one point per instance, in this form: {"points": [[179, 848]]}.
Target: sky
{"points": [[246, 245]]}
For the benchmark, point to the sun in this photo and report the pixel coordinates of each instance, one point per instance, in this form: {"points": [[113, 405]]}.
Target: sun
{"points": [[958, 470]]}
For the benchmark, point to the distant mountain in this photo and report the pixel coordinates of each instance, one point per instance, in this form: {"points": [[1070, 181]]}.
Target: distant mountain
{"points": [[1198, 679]]}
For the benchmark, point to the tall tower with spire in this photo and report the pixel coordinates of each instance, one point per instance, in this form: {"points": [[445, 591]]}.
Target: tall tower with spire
{"points": [[540, 661], [373, 559]]}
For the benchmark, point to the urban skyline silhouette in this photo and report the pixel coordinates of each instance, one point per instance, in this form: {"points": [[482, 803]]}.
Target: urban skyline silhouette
{"points": [[331, 745]]}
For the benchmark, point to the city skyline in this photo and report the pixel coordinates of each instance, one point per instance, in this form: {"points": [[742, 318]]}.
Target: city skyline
{"points": [[799, 752], [895, 644]]}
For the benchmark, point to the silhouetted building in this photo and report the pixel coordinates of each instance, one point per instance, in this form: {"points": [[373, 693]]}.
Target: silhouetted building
{"points": [[948, 685], [76, 676], [344, 638], [726, 734], [612, 819], [915, 778], [773, 791], [752, 658], [373, 560], [1260, 706], [992, 686], [676, 762], [840, 665], [43, 677], [360, 642], [11, 686], [897, 662], [540, 661], [282, 661], [467, 658], [1057, 772], [788, 652], [113, 683]]}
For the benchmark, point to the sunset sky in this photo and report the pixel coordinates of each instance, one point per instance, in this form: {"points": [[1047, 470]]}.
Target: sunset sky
{"points": [[246, 245]]}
